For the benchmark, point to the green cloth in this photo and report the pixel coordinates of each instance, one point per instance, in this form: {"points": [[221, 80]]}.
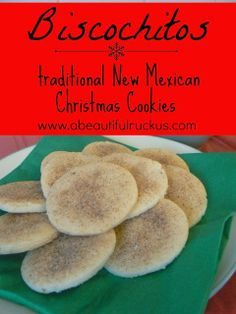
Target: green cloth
{"points": [[182, 288]]}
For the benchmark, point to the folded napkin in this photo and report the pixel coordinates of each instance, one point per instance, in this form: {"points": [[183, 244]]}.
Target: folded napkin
{"points": [[182, 288]]}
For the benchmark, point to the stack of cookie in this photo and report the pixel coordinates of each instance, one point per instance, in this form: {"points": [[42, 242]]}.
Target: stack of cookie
{"points": [[106, 206]]}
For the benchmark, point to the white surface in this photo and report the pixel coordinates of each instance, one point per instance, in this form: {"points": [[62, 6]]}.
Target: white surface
{"points": [[227, 264], [194, 141]]}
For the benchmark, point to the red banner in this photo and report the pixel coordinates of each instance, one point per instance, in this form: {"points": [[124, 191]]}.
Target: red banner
{"points": [[117, 68]]}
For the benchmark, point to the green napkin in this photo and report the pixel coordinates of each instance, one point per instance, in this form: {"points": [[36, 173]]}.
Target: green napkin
{"points": [[182, 288]]}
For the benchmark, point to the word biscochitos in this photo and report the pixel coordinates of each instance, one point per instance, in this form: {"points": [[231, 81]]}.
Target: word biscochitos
{"points": [[172, 28]]}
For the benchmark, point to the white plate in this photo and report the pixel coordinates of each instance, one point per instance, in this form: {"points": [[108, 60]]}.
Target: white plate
{"points": [[227, 265]]}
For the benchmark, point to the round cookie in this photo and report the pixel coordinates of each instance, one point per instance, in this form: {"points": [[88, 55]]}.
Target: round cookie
{"points": [[59, 165], [22, 197], [66, 262], [105, 148], [163, 156], [150, 177], [91, 199], [149, 242], [188, 192], [24, 232], [51, 156]]}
